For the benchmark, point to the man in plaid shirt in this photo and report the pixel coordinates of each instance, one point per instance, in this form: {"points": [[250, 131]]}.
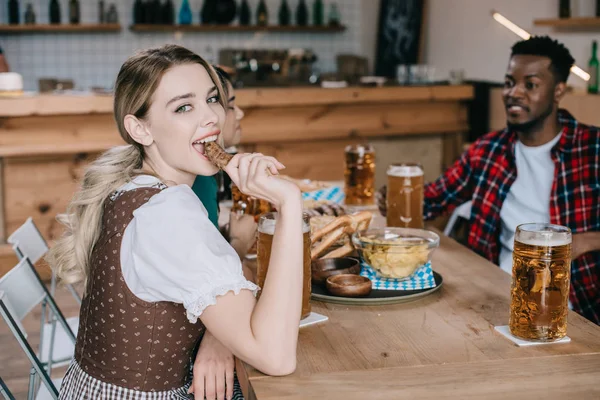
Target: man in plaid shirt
{"points": [[544, 167]]}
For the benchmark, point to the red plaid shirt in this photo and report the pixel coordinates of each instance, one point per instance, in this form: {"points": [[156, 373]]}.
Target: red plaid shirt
{"points": [[485, 173]]}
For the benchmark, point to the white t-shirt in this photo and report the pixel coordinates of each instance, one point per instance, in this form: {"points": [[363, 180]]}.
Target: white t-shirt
{"points": [[529, 197], [172, 252]]}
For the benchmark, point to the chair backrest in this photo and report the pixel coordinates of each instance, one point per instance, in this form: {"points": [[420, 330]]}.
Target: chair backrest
{"points": [[23, 288], [8, 314], [462, 211], [29, 241]]}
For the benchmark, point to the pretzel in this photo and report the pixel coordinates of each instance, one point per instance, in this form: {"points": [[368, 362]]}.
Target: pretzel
{"points": [[327, 236], [217, 155]]}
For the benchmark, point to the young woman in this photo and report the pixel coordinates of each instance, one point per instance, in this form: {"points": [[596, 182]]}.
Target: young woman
{"points": [[153, 262]]}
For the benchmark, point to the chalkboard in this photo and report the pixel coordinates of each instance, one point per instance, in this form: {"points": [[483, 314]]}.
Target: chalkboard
{"points": [[399, 35]]}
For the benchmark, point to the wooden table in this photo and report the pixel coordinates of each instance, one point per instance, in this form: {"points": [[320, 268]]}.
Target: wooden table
{"points": [[440, 347]]}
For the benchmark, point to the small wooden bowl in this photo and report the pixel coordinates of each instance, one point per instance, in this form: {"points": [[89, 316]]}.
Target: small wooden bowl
{"points": [[348, 285], [326, 267]]}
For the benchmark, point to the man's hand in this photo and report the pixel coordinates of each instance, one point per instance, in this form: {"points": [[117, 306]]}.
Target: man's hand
{"points": [[213, 370], [584, 243]]}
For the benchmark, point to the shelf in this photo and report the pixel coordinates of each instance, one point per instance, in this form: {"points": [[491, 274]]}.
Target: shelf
{"points": [[236, 28], [62, 28], [579, 23]]}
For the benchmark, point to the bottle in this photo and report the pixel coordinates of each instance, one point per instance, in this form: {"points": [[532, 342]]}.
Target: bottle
{"points": [[284, 13], [148, 12], [318, 13], [138, 12], [112, 16], [334, 15], [101, 12], [302, 14], [185, 13], [208, 12], [168, 13], [54, 12], [262, 14], [593, 69], [13, 12], [564, 9], [156, 12], [245, 13], [29, 14], [3, 63], [597, 8], [74, 11]]}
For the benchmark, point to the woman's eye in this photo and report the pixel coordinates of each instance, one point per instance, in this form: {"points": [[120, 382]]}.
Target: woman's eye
{"points": [[183, 108], [213, 99]]}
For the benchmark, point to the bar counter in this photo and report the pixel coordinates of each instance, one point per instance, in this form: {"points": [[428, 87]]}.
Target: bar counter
{"points": [[46, 140]]}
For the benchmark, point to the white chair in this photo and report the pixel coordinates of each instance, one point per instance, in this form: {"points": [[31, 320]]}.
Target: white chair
{"points": [[12, 314], [462, 211], [28, 242], [24, 290], [6, 394]]}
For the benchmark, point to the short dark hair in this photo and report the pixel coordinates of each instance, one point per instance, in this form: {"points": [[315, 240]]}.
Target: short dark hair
{"points": [[561, 60]]}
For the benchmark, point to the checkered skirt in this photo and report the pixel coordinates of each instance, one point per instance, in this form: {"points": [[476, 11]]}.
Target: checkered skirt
{"points": [[78, 385]]}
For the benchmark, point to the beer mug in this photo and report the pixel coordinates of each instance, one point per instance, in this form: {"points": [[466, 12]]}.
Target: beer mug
{"points": [[540, 282], [405, 196], [359, 175], [266, 230], [244, 204]]}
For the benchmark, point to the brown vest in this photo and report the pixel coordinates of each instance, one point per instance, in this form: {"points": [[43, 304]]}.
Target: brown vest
{"points": [[122, 339]]}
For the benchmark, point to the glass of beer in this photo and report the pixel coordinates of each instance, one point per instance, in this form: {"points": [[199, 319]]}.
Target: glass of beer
{"points": [[266, 230], [405, 196], [360, 175], [540, 282], [244, 204]]}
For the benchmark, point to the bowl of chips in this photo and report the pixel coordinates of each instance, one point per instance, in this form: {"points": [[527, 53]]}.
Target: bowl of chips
{"points": [[395, 252]]}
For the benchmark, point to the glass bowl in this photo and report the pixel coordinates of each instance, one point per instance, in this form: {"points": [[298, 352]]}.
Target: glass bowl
{"points": [[395, 252]]}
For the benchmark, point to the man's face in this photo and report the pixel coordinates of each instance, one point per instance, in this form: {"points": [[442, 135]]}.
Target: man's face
{"points": [[529, 91]]}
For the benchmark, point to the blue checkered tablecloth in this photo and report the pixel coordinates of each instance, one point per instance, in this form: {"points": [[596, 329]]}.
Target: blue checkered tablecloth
{"points": [[333, 193], [422, 278]]}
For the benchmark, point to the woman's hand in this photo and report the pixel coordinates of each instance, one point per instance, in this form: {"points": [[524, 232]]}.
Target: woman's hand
{"points": [[213, 370], [256, 175]]}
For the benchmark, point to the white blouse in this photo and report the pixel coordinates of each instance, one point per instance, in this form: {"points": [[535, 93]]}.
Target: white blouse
{"points": [[172, 252]]}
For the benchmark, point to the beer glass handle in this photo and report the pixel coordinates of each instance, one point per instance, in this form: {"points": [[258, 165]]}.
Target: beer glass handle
{"points": [[405, 216]]}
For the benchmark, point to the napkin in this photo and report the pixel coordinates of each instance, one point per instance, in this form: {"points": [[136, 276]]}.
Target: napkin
{"points": [[334, 193], [422, 278]]}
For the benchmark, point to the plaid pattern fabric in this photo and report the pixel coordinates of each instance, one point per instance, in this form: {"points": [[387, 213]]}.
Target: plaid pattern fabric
{"points": [[485, 173], [77, 385], [422, 278], [332, 193]]}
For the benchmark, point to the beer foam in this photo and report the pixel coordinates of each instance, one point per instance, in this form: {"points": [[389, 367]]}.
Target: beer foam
{"points": [[537, 241], [268, 226], [404, 171]]}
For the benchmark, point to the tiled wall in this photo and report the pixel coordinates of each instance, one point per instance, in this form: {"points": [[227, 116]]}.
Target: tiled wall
{"points": [[93, 59]]}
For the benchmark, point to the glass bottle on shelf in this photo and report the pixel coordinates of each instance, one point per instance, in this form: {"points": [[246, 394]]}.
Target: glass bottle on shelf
{"points": [[101, 12], [139, 16], [564, 9], [593, 69], [318, 13], [112, 16], [334, 15], [284, 13], [29, 14], [245, 13], [74, 11], [185, 13], [597, 8], [13, 12], [302, 14], [262, 14], [54, 12]]}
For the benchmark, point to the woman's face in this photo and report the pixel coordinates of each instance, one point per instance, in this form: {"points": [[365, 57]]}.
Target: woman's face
{"points": [[185, 113], [232, 130]]}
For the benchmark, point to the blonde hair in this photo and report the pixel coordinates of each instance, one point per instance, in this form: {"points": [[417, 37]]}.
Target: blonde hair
{"points": [[136, 83]]}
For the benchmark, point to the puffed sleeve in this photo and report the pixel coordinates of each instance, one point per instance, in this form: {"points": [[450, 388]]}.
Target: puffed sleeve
{"points": [[172, 252]]}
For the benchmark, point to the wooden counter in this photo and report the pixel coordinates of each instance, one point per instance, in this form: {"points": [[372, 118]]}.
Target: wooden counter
{"points": [[46, 140], [443, 346]]}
